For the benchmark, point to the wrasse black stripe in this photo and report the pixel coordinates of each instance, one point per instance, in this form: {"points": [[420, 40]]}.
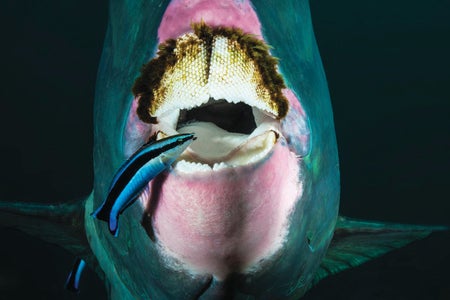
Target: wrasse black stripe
{"points": [[132, 177], [130, 169], [146, 150]]}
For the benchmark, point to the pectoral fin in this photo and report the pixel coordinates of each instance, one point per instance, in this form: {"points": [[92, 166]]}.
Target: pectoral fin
{"points": [[60, 224], [356, 242]]}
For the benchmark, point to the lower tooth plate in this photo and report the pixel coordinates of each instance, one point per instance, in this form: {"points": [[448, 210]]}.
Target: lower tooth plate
{"points": [[213, 143]]}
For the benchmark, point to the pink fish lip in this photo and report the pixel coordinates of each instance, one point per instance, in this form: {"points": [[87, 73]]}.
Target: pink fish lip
{"points": [[222, 219], [181, 13]]}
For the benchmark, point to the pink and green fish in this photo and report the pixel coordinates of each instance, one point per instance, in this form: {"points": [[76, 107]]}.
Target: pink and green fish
{"points": [[215, 144]]}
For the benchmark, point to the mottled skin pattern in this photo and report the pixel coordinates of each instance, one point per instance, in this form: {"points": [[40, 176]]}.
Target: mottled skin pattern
{"points": [[132, 262]]}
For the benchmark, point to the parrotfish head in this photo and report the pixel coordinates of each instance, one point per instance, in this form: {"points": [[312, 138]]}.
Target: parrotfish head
{"points": [[240, 213]]}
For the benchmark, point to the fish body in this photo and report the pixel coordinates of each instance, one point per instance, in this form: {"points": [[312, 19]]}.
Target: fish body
{"points": [[224, 230]]}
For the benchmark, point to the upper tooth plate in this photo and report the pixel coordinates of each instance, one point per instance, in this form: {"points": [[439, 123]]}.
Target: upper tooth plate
{"points": [[194, 79], [219, 63]]}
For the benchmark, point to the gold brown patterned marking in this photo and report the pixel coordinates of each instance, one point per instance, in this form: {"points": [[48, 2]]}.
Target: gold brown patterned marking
{"points": [[211, 62]]}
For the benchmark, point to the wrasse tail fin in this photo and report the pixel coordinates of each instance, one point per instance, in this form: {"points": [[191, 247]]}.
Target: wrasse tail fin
{"points": [[104, 213], [101, 213], [73, 280], [356, 242]]}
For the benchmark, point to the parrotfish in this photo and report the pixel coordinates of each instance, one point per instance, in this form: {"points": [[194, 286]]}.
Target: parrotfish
{"points": [[249, 210]]}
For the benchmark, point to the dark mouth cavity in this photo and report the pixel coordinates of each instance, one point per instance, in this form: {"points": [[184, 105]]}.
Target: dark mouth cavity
{"points": [[232, 117]]}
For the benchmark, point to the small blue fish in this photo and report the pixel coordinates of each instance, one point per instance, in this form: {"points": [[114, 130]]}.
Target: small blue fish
{"points": [[73, 280], [131, 178]]}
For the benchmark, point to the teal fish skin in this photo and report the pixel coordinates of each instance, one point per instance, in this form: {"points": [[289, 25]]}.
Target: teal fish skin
{"points": [[312, 223]]}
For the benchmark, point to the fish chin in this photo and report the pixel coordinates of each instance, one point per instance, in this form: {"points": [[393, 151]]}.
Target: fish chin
{"points": [[225, 219]]}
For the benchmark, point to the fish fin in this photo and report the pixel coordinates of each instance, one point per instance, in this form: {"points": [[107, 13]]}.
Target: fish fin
{"points": [[356, 242], [59, 224]]}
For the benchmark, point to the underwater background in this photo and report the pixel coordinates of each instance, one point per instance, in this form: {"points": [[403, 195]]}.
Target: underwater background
{"points": [[388, 70]]}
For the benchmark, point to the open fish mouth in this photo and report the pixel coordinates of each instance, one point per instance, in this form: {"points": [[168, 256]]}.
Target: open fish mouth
{"points": [[220, 84]]}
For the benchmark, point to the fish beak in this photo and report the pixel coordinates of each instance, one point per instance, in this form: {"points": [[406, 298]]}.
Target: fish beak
{"points": [[220, 84]]}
